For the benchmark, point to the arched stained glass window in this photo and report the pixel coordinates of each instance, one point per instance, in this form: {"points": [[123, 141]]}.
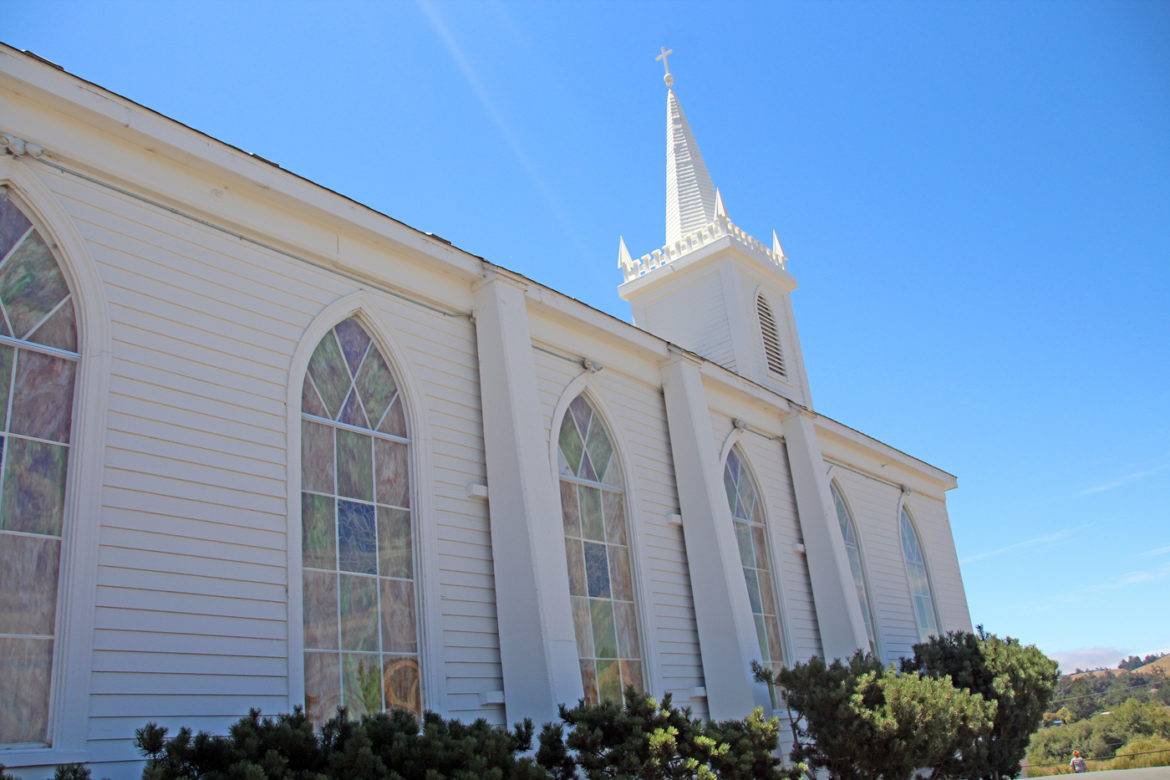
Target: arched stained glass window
{"points": [[601, 582], [38, 365], [921, 595], [361, 633], [853, 549], [747, 513]]}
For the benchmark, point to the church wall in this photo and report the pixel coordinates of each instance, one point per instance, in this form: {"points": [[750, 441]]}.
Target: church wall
{"points": [[639, 430], [191, 604], [191, 601]]}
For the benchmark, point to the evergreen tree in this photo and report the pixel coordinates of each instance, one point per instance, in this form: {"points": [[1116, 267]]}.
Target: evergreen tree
{"points": [[1019, 680]]}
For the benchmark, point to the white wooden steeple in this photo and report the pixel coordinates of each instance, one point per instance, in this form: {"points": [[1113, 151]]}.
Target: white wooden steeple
{"points": [[712, 287]]}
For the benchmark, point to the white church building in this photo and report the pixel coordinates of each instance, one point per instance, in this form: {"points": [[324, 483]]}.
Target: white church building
{"points": [[263, 446]]}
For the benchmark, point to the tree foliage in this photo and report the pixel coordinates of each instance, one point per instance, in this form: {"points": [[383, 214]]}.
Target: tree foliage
{"points": [[1136, 662], [1018, 679], [642, 739], [961, 708], [645, 738], [857, 720], [386, 746], [1082, 696], [1103, 735]]}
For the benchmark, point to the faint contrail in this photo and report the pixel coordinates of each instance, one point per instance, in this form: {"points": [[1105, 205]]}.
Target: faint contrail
{"points": [[1055, 536], [1124, 480], [505, 129]]}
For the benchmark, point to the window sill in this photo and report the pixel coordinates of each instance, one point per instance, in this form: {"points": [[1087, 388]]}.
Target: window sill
{"points": [[12, 758]]}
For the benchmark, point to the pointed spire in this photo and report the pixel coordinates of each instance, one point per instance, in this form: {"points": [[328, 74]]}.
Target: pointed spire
{"points": [[776, 248], [624, 260], [720, 210], [690, 194]]}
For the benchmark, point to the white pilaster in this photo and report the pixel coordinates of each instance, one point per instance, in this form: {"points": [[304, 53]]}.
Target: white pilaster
{"points": [[839, 615], [727, 632], [538, 647]]}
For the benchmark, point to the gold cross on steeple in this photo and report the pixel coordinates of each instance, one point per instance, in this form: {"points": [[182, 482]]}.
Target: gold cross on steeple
{"points": [[663, 53]]}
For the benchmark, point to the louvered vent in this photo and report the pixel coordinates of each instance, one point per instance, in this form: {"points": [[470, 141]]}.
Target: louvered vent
{"points": [[771, 337]]}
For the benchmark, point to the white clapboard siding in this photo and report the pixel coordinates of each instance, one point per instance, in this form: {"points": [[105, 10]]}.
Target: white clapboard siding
{"points": [[640, 434], [695, 317], [191, 612]]}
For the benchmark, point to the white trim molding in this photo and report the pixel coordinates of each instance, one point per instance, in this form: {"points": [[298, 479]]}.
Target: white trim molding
{"points": [[77, 586], [538, 643], [727, 630]]}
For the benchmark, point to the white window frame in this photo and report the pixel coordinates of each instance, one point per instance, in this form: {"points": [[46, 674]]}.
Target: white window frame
{"points": [[903, 507], [367, 307], [587, 384], [77, 580], [835, 488]]}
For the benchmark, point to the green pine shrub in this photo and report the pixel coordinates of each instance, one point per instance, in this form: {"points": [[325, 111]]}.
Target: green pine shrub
{"points": [[386, 746], [650, 739], [1018, 679], [71, 772], [856, 720]]}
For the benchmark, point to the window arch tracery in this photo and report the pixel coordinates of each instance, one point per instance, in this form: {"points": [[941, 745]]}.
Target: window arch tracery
{"points": [[38, 367], [921, 593], [597, 547], [853, 551], [751, 535], [357, 536]]}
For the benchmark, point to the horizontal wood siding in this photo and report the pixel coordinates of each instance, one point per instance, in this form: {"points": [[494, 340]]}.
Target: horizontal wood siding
{"points": [[191, 618], [694, 316]]}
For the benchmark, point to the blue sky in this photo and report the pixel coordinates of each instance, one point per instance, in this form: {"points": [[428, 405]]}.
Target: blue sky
{"points": [[975, 199]]}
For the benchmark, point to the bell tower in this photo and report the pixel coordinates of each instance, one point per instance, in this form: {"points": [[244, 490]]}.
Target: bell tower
{"points": [[713, 288]]}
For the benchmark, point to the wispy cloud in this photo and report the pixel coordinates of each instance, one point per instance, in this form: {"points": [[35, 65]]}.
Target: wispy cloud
{"points": [[1125, 479], [503, 126], [1036, 541], [1120, 582], [1155, 552], [1139, 577], [1088, 657]]}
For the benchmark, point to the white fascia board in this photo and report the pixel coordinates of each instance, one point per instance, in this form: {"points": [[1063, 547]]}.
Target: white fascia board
{"points": [[853, 448], [104, 110]]}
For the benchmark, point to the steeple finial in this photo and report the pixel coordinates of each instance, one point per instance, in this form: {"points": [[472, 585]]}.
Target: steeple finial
{"points": [[624, 259], [663, 53], [776, 248], [720, 209]]}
